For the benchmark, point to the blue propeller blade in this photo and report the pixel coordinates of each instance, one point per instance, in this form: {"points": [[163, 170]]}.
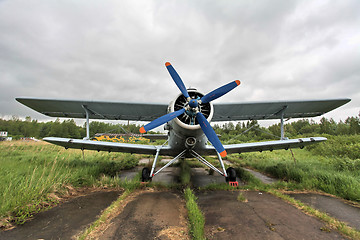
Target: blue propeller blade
{"points": [[161, 120], [175, 76], [220, 91], [210, 134]]}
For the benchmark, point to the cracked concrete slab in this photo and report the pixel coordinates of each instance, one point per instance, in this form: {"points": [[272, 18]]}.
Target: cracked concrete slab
{"points": [[151, 215], [65, 220], [333, 206], [263, 216]]}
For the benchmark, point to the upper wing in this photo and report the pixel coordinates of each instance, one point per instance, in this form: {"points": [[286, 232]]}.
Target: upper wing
{"points": [[149, 112], [272, 110], [96, 109], [264, 146], [108, 146]]}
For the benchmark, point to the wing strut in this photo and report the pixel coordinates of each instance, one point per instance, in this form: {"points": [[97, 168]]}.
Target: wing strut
{"points": [[169, 163], [281, 113], [155, 160], [282, 123], [87, 122], [203, 160]]}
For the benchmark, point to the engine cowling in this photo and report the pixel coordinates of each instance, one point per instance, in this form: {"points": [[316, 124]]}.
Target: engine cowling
{"points": [[188, 119]]}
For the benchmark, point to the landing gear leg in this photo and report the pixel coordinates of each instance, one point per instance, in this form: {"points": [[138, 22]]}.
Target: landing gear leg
{"points": [[231, 177], [151, 173], [229, 174]]}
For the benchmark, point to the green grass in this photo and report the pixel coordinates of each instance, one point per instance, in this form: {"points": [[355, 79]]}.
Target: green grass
{"points": [[337, 173], [185, 174], [196, 218], [30, 171], [341, 147]]}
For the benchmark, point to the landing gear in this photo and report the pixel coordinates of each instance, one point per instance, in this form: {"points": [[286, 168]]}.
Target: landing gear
{"points": [[145, 175], [231, 177], [229, 174]]}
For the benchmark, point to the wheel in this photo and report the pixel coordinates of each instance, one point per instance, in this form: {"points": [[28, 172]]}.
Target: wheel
{"points": [[145, 175], [231, 175]]}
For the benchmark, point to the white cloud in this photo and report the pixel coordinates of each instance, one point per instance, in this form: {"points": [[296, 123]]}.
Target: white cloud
{"points": [[116, 50]]}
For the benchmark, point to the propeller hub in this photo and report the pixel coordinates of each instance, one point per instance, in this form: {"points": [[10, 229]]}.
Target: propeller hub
{"points": [[193, 103]]}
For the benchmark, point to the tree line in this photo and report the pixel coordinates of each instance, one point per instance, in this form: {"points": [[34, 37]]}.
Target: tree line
{"points": [[18, 128], [251, 130], [241, 131]]}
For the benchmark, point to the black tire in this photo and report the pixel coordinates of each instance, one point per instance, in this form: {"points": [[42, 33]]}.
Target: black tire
{"points": [[231, 175], [145, 175]]}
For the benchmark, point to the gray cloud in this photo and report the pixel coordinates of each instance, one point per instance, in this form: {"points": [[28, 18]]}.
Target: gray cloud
{"points": [[116, 50]]}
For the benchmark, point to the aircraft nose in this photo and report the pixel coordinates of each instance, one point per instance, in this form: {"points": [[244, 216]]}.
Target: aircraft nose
{"points": [[193, 103]]}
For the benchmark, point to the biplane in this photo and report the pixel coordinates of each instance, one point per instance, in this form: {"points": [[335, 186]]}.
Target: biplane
{"points": [[187, 119]]}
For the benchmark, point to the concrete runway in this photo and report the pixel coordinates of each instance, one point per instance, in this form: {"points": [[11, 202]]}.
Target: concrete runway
{"points": [[162, 215]]}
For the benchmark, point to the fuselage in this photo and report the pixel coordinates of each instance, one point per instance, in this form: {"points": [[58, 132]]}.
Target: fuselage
{"points": [[184, 131]]}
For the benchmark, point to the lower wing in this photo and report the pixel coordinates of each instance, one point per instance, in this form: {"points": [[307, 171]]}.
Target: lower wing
{"points": [[265, 146], [166, 150], [107, 146]]}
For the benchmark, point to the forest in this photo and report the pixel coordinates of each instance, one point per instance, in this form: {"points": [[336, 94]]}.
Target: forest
{"points": [[230, 132]]}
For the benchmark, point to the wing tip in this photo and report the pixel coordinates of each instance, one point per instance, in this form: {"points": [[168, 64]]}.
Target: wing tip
{"points": [[167, 64], [237, 82], [18, 99]]}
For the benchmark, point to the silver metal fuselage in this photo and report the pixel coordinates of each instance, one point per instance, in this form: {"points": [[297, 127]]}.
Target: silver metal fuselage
{"points": [[186, 136]]}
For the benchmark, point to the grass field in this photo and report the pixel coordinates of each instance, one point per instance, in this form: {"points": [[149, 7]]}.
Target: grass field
{"points": [[30, 171], [332, 166], [34, 172]]}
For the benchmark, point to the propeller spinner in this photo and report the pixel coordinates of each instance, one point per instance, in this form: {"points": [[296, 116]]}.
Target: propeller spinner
{"points": [[192, 108]]}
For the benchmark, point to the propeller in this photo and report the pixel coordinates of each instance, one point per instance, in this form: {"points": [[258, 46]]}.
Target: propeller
{"points": [[161, 120], [220, 91], [192, 105], [210, 134], [175, 76]]}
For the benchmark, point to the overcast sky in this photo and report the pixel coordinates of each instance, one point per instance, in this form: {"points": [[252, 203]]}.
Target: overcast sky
{"points": [[116, 50]]}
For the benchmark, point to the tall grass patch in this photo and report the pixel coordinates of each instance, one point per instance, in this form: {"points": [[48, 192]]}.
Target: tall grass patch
{"points": [[32, 170], [196, 218], [317, 168], [185, 173]]}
